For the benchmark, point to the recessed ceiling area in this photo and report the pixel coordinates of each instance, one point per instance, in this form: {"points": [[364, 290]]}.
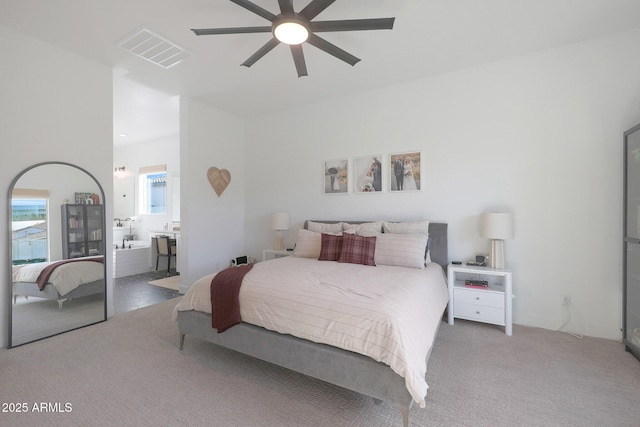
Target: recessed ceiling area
{"points": [[141, 113]]}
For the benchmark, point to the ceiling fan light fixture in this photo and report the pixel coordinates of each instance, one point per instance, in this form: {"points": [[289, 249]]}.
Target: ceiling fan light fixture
{"points": [[293, 29], [291, 32]]}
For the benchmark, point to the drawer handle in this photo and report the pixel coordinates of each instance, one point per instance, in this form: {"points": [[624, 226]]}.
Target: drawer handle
{"points": [[477, 312], [477, 298]]}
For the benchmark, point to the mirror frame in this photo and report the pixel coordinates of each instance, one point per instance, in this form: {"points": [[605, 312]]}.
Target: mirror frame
{"points": [[10, 250]]}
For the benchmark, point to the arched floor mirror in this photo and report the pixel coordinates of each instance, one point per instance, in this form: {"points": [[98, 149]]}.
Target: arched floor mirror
{"points": [[57, 252]]}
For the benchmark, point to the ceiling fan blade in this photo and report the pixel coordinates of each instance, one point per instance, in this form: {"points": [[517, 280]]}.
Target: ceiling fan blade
{"points": [[298, 59], [331, 49], [286, 7], [255, 9], [238, 30], [314, 8], [261, 52], [353, 25]]}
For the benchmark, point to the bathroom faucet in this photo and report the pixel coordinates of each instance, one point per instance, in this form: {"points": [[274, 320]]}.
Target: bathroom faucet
{"points": [[119, 224], [123, 247]]}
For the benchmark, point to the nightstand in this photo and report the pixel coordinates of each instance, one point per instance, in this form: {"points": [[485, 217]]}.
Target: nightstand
{"points": [[491, 305], [268, 254]]}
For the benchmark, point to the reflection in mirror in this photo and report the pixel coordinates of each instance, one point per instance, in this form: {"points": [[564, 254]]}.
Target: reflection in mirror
{"points": [[57, 252]]}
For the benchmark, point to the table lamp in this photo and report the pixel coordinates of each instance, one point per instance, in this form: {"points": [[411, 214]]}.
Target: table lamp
{"points": [[279, 222], [497, 226]]}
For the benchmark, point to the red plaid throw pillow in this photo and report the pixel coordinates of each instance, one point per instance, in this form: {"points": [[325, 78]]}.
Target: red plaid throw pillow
{"points": [[358, 249], [330, 247]]}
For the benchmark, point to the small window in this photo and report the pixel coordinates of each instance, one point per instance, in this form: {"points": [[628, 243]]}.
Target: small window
{"points": [[153, 186]]}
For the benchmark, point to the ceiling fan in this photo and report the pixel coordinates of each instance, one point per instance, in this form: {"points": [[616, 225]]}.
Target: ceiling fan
{"points": [[294, 29]]}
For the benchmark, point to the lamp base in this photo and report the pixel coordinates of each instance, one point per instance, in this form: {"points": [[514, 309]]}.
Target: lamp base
{"points": [[496, 258], [278, 243]]}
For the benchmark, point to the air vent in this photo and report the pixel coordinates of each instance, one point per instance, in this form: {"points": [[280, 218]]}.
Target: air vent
{"points": [[154, 48]]}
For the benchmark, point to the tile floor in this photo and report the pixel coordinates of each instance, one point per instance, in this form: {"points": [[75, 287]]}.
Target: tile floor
{"points": [[132, 292]]}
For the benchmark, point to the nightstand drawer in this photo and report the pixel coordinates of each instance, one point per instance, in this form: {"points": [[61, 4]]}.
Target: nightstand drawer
{"points": [[479, 313], [479, 297]]}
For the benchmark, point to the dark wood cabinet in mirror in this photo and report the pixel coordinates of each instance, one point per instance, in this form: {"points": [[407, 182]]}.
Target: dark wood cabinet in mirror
{"points": [[57, 248]]}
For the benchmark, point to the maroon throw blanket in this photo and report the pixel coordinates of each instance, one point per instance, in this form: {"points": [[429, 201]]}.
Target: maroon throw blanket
{"points": [[44, 275], [225, 305]]}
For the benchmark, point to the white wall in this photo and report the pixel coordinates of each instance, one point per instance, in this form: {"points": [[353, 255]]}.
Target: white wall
{"points": [[212, 226], [54, 106], [539, 135]]}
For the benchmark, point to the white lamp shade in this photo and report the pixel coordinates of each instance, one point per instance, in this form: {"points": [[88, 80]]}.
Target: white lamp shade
{"points": [[280, 221], [496, 225]]}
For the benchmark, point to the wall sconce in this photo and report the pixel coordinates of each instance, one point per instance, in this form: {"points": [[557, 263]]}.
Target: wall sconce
{"points": [[279, 221], [119, 171], [496, 226]]}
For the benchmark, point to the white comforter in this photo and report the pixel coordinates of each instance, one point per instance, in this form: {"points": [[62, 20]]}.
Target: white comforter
{"points": [[65, 277], [390, 314]]}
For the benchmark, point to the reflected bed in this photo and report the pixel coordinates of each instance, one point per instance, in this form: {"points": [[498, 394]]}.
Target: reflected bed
{"points": [[59, 281]]}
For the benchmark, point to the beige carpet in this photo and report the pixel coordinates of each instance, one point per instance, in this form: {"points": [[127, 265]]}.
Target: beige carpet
{"points": [[129, 371], [172, 282]]}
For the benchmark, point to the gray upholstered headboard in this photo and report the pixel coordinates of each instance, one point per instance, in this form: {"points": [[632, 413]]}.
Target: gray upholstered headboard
{"points": [[437, 235]]}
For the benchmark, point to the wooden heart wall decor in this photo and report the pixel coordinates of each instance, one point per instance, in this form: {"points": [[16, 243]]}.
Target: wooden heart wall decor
{"points": [[219, 179]]}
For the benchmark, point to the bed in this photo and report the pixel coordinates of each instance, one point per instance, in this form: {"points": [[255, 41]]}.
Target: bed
{"points": [[60, 280], [395, 375]]}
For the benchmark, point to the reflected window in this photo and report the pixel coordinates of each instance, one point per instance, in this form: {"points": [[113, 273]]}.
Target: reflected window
{"points": [[29, 226]]}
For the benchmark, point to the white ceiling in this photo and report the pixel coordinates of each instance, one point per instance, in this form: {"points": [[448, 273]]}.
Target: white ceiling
{"points": [[429, 37]]}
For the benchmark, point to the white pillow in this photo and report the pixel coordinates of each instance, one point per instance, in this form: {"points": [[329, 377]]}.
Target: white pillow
{"points": [[415, 227], [367, 229], [308, 244], [320, 227], [402, 250], [421, 227]]}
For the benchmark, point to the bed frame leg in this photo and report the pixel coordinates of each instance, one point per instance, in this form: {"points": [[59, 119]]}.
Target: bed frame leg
{"points": [[404, 410], [181, 341], [60, 301]]}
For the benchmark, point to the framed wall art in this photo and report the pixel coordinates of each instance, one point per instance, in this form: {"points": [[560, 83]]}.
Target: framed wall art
{"points": [[336, 176], [405, 171], [368, 172]]}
